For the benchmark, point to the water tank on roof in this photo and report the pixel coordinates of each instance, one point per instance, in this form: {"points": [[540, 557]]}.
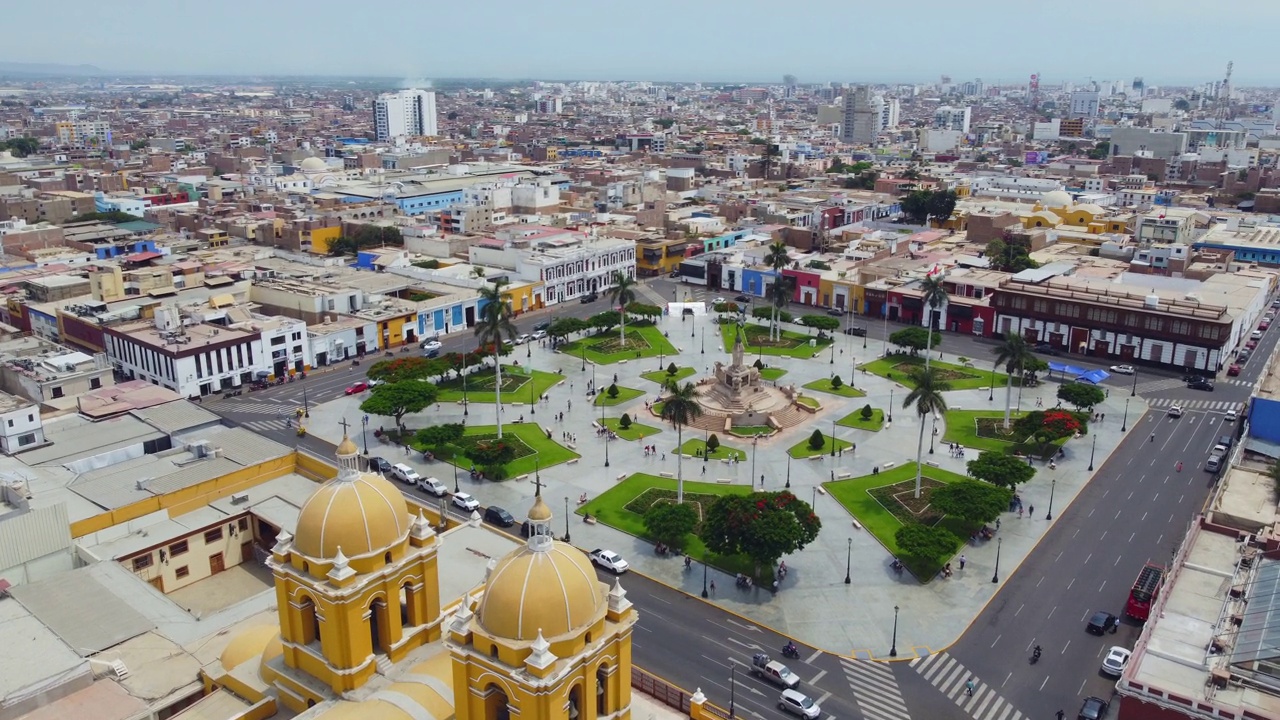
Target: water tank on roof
{"points": [[1152, 301], [458, 169]]}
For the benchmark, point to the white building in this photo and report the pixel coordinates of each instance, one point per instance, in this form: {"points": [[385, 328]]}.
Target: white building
{"points": [[1084, 103], [890, 111], [20, 425], [568, 263], [550, 106], [860, 121], [406, 113], [952, 118]]}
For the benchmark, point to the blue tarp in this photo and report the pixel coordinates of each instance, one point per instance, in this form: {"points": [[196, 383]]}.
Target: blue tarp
{"points": [[1066, 369], [1094, 376]]}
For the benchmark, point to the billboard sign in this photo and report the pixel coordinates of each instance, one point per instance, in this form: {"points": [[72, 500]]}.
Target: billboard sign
{"points": [[1036, 157]]}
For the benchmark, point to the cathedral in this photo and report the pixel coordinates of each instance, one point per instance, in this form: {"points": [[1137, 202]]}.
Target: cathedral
{"points": [[362, 632]]}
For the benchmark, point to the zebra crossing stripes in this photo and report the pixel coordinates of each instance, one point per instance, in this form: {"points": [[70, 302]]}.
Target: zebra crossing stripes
{"points": [[949, 676], [265, 425], [1157, 385], [252, 408], [875, 690], [1205, 405]]}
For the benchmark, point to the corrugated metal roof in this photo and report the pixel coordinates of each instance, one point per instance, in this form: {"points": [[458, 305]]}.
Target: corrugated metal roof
{"points": [[192, 474], [173, 417], [76, 437], [81, 611], [34, 534], [218, 705], [241, 445]]}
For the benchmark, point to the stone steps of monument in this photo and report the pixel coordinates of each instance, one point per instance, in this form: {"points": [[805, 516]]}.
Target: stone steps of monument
{"points": [[791, 416]]}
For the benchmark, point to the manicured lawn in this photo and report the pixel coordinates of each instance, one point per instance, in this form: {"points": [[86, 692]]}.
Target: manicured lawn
{"points": [[751, 430], [694, 447], [755, 338], [963, 428], [859, 497], [662, 378], [635, 432], [809, 402], [625, 394], [622, 507], [533, 448], [854, 420], [895, 368], [824, 385], [515, 386], [604, 348], [772, 373], [802, 450]]}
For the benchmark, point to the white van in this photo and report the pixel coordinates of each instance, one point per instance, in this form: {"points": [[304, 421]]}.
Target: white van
{"points": [[405, 474], [1214, 463]]}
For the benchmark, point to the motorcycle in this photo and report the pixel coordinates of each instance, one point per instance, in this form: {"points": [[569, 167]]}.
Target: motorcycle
{"points": [[1035, 655], [791, 651]]}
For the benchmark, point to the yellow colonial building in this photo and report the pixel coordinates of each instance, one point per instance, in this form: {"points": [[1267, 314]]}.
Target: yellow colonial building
{"points": [[362, 633]]}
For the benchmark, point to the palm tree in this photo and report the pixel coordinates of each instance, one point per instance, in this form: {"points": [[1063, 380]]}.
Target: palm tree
{"points": [[493, 327], [777, 259], [927, 397], [622, 294], [1012, 353], [680, 408], [934, 294], [780, 295]]}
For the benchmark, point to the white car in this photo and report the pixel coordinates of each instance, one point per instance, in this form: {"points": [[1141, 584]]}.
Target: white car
{"points": [[1175, 411], [430, 345], [1123, 369], [465, 501], [405, 474], [1117, 658], [1230, 416], [609, 560], [797, 703], [718, 301], [521, 339], [433, 486], [1255, 335], [538, 334]]}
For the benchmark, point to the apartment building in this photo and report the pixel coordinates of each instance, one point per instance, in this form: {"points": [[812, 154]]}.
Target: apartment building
{"points": [[407, 113]]}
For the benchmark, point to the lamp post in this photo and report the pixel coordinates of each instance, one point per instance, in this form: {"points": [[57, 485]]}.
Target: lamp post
{"points": [[566, 518], [584, 357], [456, 489], [464, 387], [991, 392], [606, 436], [833, 351], [885, 336], [755, 443], [1125, 422], [733, 686], [788, 471], [890, 403], [704, 579], [833, 438], [704, 341], [528, 349], [706, 447], [1053, 486], [306, 408], [934, 433], [848, 562], [365, 433], [1092, 451], [1134, 393], [893, 648], [995, 577], [660, 350], [533, 402]]}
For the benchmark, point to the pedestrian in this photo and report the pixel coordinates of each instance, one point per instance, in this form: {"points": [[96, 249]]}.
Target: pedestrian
{"points": [[1152, 438], [1104, 417], [962, 562], [1019, 512], [968, 687], [713, 586], [1031, 510], [1060, 715], [664, 457], [704, 468]]}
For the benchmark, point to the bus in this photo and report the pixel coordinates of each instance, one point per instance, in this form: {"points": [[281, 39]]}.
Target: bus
{"points": [[1145, 591]]}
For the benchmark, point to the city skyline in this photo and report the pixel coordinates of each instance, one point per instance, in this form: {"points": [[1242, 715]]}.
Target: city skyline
{"points": [[669, 42]]}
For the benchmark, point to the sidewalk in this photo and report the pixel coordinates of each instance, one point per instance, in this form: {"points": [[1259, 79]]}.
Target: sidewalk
{"points": [[814, 605]]}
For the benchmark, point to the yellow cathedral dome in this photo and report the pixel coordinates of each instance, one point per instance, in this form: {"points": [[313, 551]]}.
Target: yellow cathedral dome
{"points": [[551, 588], [363, 513]]}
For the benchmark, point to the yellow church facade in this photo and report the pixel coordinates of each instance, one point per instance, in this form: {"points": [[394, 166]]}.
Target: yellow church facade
{"points": [[362, 633]]}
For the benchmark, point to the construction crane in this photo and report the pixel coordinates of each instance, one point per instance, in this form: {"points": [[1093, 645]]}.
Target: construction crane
{"points": [[1224, 96]]}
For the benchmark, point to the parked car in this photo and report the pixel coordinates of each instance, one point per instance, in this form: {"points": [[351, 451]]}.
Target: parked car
{"points": [[433, 486], [1175, 411], [742, 299], [588, 298], [1115, 661], [1265, 325], [405, 474], [1233, 370], [1103, 622], [521, 339], [1123, 369], [835, 312], [538, 334], [1255, 335], [1251, 345], [1219, 449], [498, 516], [719, 301], [543, 325], [609, 560], [1214, 463], [1094, 708], [433, 353], [379, 465], [856, 330], [1048, 349], [1230, 416], [797, 703], [429, 345], [358, 387], [1201, 384], [465, 501]]}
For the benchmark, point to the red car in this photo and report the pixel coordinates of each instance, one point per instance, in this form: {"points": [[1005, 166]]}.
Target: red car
{"points": [[1264, 325], [358, 388], [1233, 370], [1251, 345]]}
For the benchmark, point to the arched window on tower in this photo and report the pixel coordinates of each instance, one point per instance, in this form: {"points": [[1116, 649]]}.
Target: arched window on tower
{"points": [[310, 622], [602, 690]]}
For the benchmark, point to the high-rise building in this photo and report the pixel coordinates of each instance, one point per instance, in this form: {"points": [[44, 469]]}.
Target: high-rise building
{"points": [[405, 113], [861, 121], [889, 113], [1084, 103], [952, 118]]}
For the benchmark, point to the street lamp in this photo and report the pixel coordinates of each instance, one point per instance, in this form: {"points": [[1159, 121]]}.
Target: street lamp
{"points": [[464, 386], [991, 392], [584, 357], [704, 579], [306, 408], [890, 403], [1053, 486], [1093, 450], [365, 433], [1134, 393], [1125, 421], [733, 686], [706, 444], [833, 438], [755, 443], [533, 402], [893, 648], [995, 577], [788, 471], [885, 337], [704, 341], [934, 433], [566, 518], [456, 489], [833, 351], [848, 562]]}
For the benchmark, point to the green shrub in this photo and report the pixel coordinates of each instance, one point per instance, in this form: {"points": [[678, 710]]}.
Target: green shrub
{"points": [[836, 382], [624, 422], [713, 443], [816, 440], [672, 369], [612, 392], [866, 412], [759, 364]]}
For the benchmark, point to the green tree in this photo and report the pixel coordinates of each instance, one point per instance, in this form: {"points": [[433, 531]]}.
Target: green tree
{"points": [[973, 502], [1012, 353], [764, 526], [914, 339], [604, 321], [941, 204], [928, 399], [816, 440], [624, 422], [111, 216], [915, 205], [395, 400], [1010, 253], [926, 543], [670, 523], [1000, 469], [934, 295], [22, 146], [439, 438], [491, 456], [564, 327], [866, 413], [494, 327], [680, 407], [777, 258], [648, 312], [771, 313], [612, 392], [1082, 395], [1100, 151], [408, 368], [836, 382], [1182, 104], [713, 444], [821, 322], [672, 369], [622, 294]]}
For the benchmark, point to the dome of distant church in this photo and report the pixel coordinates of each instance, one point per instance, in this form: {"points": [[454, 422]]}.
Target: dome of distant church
{"points": [[360, 512], [313, 164], [1056, 199]]}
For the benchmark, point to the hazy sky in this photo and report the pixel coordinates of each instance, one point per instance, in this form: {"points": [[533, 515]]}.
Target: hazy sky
{"points": [[1165, 41]]}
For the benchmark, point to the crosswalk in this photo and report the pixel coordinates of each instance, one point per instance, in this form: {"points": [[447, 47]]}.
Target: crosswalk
{"points": [[949, 676], [875, 690], [1176, 383], [1203, 405], [253, 408], [265, 425]]}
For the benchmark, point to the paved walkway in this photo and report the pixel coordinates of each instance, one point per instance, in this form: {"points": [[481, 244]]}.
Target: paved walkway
{"points": [[814, 604]]}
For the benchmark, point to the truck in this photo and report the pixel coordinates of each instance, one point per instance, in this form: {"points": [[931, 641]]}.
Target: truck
{"points": [[773, 671], [1145, 591]]}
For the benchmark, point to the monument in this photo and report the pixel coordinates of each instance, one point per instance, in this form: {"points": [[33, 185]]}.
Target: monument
{"points": [[735, 396]]}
